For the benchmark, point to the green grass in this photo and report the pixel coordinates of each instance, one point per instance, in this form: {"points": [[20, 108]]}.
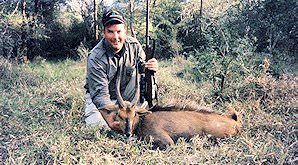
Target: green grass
{"points": [[42, 120]]}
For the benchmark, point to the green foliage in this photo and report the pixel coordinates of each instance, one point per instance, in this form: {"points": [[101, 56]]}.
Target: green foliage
{"points": [[272, 22], [62, 42], [227, 52], [167, 24], [210, 64], [177, 26], [10, 35], [49, 32], [268, 25], [242, 76]]}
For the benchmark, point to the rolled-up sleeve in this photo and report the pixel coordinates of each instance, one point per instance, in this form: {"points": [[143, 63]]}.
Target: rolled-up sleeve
{"points": [[98, 83]]}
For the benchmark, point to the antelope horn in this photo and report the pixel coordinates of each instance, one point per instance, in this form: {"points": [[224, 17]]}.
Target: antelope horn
{"points": [[137, 94], [119, 97]]}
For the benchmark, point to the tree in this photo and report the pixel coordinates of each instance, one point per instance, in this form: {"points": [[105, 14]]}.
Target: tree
{"points": [[167, 22], [272, 22], [131, 18], [96, 32], [24, 48]]}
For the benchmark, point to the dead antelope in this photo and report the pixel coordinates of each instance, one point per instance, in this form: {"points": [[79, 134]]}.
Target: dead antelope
{"points": [[166, 124]]}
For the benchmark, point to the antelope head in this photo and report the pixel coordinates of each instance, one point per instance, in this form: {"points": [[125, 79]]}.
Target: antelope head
{"points": [[128, 112]]}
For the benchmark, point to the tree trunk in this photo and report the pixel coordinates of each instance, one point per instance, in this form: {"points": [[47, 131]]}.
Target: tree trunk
{"points": [[131, 10], [200, 19], [24, 8], [96, 31], [201, 8], [23, 56]]}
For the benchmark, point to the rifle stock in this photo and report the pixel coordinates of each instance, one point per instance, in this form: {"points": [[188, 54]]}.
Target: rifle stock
{"points": [[148, 92]]}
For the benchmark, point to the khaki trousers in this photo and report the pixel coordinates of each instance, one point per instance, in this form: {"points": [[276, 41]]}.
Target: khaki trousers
{"points": [[93, 116]]}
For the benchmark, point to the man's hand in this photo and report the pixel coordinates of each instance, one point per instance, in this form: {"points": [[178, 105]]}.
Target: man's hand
{"points": [[152, 64], [110, 119]]}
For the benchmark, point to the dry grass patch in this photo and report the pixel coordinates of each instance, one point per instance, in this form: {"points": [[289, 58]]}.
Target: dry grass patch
{"points": [[42, 120]]}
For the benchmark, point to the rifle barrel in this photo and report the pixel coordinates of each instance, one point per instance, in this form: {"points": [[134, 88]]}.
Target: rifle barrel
{"points": [[147, 25]]}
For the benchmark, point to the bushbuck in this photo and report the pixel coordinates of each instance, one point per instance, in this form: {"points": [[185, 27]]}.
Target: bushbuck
{"points": [[165, 124]]}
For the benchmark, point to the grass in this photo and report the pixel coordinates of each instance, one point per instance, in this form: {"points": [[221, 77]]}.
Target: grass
{"points": [[42, 120]]}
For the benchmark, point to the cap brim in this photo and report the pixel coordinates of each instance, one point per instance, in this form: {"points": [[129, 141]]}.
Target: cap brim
{"points": [[116, 20]]}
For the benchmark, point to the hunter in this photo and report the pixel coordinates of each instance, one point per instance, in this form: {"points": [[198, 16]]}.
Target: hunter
{"points": [[116, 50]]}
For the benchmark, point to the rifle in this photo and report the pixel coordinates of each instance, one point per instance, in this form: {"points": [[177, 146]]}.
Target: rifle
{"points": [[148, 84]]}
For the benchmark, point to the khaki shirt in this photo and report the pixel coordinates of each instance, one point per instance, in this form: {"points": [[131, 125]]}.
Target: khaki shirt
{"points": [[102, 69]]}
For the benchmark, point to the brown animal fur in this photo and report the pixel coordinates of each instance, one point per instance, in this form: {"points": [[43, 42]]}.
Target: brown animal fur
{"points": [[166, 124]]}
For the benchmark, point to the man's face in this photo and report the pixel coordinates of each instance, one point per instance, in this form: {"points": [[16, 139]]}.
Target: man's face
{"points": [[115, 35]]}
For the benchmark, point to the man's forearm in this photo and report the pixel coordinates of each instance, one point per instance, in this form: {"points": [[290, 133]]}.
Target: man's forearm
{"points": [[109, 117]]}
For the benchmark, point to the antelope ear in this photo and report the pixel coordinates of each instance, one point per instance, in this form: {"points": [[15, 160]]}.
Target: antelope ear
{"points": [[232, 113]]}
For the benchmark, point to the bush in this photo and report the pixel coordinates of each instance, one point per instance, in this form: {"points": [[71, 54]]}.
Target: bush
{"points": [[272, 22]]}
